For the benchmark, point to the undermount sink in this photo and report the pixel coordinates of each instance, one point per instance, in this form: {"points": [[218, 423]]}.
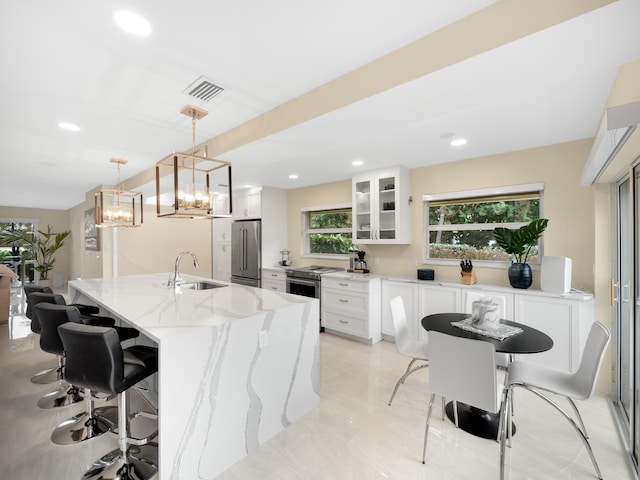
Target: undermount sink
{"points": [[201, 285]]}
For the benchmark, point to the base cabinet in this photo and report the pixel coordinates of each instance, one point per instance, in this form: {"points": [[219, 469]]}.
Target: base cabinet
{"points": [[409, 293], [274, 279], [351, 306], [566, 321], [436, 299]]}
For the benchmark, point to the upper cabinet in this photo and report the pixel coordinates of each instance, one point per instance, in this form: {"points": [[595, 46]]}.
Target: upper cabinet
{"points": [[247, 203], [381, 207]]}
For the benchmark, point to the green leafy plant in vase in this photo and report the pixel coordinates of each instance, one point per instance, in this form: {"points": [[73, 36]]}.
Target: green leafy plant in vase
{"points": [[519, 242], [41, 246]]}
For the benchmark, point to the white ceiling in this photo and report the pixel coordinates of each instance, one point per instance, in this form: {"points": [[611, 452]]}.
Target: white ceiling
{"points": [[67, 61]]}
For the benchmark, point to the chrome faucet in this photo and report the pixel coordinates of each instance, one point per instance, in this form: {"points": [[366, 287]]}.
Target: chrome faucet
{"points": [[176, 273]]}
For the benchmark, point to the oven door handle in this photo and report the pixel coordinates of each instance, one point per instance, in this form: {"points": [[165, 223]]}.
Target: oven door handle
{"points": [[301, 281]]}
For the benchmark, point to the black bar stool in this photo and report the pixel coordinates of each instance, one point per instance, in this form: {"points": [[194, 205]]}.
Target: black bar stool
{"points": [[97, 361], [48, 375], [35, 295], [50, 317]]}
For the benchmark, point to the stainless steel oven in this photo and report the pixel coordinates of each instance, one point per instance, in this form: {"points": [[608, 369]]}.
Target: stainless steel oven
{"points": [[301, 286], [306, 281]]}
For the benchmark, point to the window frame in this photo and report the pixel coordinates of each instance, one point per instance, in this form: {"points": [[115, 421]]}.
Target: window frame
{"points": [[306, 231], [482, 192]]}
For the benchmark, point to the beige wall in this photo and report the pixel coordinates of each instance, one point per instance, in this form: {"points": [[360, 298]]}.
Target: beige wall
{"points": [[568, 206], [59, 222], [154, 247]]}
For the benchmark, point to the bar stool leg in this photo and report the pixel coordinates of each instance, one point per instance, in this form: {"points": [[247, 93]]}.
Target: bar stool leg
{"points": [[84, 426], [128, 462], [50, 375]]}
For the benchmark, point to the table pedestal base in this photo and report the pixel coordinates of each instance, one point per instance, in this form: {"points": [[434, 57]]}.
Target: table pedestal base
{"points": [[476, 421]]}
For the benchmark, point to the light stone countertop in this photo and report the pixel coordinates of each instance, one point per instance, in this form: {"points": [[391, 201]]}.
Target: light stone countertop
{"points": [[162, 312]]}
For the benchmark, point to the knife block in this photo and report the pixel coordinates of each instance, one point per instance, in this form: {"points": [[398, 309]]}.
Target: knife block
{"points": [[468, 278]]}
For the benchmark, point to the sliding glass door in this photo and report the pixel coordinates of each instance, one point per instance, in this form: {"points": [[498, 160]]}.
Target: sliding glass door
{"points": [[625, 305]]}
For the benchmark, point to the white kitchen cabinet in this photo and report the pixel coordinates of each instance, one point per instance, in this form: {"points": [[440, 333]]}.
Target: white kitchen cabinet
{"points": [[408, 290], [351, 306], [381, 207], [566, 320], [274, 279], [221, 249], [436, 298], [247, 203]]}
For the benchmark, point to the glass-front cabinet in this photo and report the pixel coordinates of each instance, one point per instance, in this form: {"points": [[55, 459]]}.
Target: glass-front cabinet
{"points": [[381, 206]]}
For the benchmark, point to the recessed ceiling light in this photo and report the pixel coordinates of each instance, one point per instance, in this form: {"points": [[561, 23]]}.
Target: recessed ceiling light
{"points": [[293, 176], [247, 186], [357, 163], [132, 23], [458, 142], [69, 126]]}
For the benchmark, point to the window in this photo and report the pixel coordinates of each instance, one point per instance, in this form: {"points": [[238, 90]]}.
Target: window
{"points": [[327, 230], [460, 225]]}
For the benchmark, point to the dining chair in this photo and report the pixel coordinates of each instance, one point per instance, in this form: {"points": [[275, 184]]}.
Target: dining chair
{"points": [[573, 386], [502, 359], [465, 370], [416, 350]]}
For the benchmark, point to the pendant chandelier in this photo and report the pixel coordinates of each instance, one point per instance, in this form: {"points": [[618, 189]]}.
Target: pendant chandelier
{"points": [[118, 207], [194, 185]]}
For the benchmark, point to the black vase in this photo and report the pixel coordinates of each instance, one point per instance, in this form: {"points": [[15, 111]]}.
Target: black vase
{"points": [[520, 275]]}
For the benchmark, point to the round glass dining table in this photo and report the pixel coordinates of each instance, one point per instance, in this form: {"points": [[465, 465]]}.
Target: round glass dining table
{"points": [[473, 420]]}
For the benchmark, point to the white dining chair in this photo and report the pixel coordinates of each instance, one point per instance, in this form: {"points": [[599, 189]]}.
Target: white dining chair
{"points": [[502, 359], [465, 370], [573, 386], [416, 350]]}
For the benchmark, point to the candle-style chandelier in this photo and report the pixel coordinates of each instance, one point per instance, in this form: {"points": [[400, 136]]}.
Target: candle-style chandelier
{"points": [[117, 207], [194, 185]]}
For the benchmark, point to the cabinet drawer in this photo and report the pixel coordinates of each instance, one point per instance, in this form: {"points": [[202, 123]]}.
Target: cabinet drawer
{"points": [[345, 323], [344, 301], [343, 284], [274, 285], [273, 275]]}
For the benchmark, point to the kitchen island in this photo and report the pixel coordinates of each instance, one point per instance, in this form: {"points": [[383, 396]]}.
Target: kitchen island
{"points": [[237, 364]]}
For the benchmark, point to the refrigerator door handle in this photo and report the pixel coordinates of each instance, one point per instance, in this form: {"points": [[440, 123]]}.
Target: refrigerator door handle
{"points": [[244, 249]]}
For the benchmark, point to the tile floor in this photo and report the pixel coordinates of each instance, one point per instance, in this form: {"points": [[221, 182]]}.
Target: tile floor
{"points": [[352, 435]]}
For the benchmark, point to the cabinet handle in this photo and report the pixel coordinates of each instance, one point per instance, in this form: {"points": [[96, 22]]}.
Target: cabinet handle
{"points": [[344, 301], [274, 288], [344, 321], [274, 274], [344, 284]]}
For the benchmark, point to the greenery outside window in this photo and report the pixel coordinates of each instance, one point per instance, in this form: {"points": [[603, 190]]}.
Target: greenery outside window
{"points": [[327, 230], [460, 225]]}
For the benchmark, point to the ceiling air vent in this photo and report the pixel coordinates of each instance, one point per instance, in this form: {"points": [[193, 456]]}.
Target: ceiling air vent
{"points": [[203, 89]]}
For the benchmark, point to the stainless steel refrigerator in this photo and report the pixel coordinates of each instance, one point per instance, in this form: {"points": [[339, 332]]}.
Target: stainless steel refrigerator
{"points": [[245, 252]]}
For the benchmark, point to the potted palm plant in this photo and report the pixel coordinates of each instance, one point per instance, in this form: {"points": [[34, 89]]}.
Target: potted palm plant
{"points": [[519, 242], [41, 246]]}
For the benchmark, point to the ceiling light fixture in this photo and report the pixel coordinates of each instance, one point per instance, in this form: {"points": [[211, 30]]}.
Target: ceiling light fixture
{"points": [[293, 176], [132, 23], [116, 207], [458, 142], [357, 163], [71, 127], [200, 187]]}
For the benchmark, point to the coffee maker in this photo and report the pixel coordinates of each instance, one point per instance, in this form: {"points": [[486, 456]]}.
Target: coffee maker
{"points": [[357, 262]]}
